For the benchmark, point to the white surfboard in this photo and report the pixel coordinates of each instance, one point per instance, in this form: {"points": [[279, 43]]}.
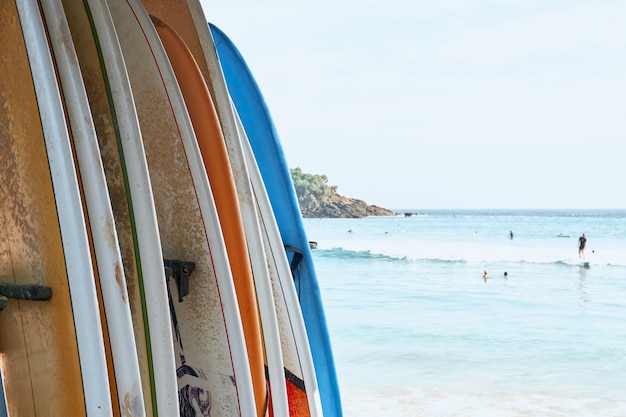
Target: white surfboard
{"points": [[212, 362], [262, 279], [122, 150], [299, 369], [73, 229], [256, 248], [109, 261], [181, 20], [250, 218]]}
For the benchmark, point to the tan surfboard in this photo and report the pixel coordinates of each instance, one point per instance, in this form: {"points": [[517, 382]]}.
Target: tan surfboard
{"points": [[52, 350]]}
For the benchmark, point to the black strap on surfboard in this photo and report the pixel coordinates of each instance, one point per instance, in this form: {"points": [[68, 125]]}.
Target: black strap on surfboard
{"points": [[180, 270], [23, 292], [294, 265], [26, 292], [296, 259]]}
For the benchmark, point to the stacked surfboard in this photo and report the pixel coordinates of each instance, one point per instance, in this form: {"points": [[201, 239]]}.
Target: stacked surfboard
{"points": [[153, 260]]}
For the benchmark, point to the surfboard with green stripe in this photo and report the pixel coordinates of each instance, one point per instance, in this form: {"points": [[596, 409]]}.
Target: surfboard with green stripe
{"points": [[121, 147], [213, 369], [111, 281]]}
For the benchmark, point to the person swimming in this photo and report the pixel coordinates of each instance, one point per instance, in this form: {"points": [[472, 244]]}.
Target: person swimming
{"points": [[582, 243]]}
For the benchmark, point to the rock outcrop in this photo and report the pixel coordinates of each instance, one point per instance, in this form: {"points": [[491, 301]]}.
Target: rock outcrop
{"points": [[344, 207]]}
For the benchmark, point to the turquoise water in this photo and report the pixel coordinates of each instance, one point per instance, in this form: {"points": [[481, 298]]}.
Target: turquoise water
{"points": [[417, 331]]}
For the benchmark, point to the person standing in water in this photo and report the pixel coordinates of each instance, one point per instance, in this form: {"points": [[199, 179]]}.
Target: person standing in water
{"points": [[582, 242]]}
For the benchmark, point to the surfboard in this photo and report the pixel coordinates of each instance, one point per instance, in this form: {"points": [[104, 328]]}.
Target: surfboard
{"points": [[301, 383], [112, 280], [273, 166], [219, 171], [115, 399], [183, 17], [262, 279], [212, 363], [255, 248], [132, 201], [53, 360]]}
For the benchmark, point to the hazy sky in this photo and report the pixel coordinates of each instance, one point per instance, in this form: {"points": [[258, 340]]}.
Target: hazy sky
{"points": [[445, 103]]}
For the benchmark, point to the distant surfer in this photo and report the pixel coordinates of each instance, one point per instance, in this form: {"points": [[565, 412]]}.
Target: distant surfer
{"points": [[506, 275], [511, 234], [582, 242], [485, 276]]}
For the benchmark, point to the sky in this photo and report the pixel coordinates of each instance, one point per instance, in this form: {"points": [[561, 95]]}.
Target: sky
{"points": [[443, 104]]}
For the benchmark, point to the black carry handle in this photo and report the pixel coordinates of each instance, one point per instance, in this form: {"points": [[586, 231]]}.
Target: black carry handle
{"points": [[180, 271], [23, 292], [26, 292], [297, 258]]}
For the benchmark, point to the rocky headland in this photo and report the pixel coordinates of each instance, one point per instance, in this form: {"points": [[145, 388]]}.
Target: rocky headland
{"points": [[319, 200], [346, 208]]}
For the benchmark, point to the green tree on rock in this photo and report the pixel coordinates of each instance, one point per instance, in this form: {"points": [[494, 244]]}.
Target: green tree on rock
{"points": [[312, 190]]}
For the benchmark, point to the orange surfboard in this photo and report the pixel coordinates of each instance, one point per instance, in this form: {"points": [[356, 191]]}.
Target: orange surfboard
{"points": [[216, 162]]}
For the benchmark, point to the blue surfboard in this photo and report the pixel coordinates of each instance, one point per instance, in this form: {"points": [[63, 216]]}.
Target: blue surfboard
{"points": [[268, 152]]}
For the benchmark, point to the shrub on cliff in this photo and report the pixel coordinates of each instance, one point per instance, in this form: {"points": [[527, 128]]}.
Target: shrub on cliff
{"points": [[312, 190], [318, 199]]}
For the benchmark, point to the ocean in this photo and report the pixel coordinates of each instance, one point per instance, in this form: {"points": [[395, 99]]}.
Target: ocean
{"points": [[417, 331]]}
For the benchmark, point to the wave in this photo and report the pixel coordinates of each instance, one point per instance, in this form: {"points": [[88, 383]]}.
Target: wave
{"points": [[339, 253], [549, 213]]}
